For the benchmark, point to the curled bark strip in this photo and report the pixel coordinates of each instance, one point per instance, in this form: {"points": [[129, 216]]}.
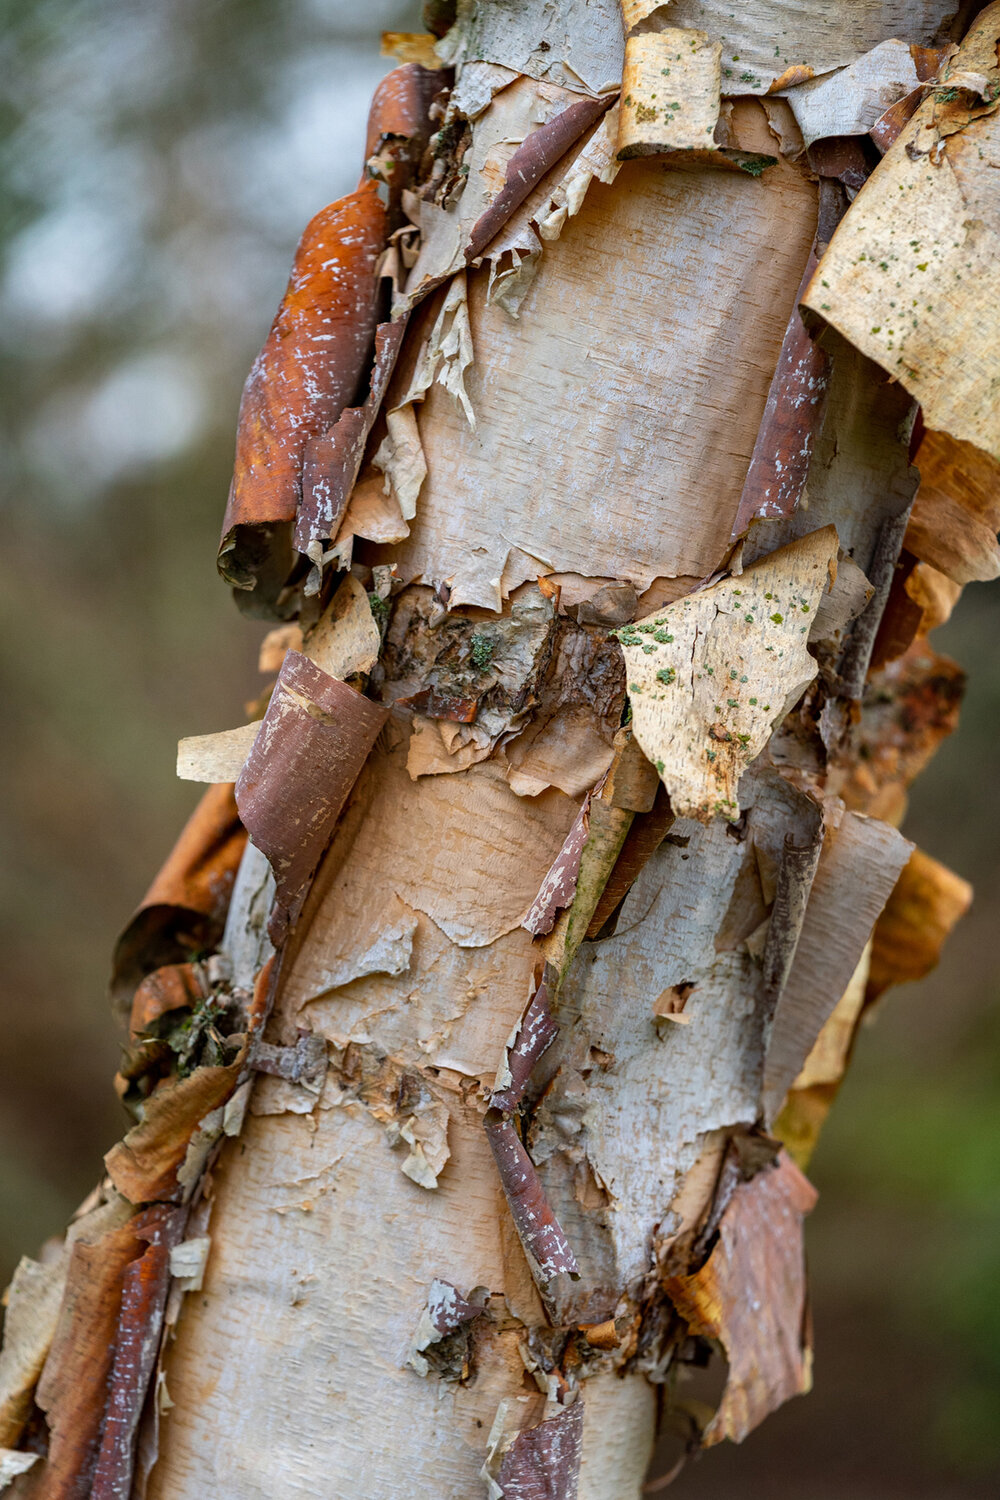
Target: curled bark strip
{"points": [[144, 1166], [447, 1309], [529, 164], [928, 62], [184, 910], [72, 1387], [298, 444], [536, 1032], [842, 158], [309, 750], [174, 987], [791, 896], [857, 655], [793, 417], [539, 1231], [307, 372], [399, 108], [137, 1344], [543, 1462], [750, 1295], [888, 126], [332, 459], [559, 886]]}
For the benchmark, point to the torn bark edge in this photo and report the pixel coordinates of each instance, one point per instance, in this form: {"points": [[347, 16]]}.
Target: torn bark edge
{"points": [[857, 654], [533, 1035], [445, 1312], [540, 1461], [545, 1245], [137, 1347], [536, 155], [791, 897]]}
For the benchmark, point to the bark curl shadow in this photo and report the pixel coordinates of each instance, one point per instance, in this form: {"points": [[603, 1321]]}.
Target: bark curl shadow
{"points": [[857, 655]]}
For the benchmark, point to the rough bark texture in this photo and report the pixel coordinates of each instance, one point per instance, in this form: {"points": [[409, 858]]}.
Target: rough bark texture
{"points": [[574, 804]]}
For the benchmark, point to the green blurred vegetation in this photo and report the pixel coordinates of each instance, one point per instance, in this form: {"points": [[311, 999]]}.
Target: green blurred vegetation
{"points": [[157, 164]]}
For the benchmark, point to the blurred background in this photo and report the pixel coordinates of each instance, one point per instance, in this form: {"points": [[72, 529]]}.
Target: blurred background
{"points": [[158, 161]]}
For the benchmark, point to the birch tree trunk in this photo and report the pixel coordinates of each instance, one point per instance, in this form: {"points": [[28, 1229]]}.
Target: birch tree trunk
{"points": [[579, 473]]}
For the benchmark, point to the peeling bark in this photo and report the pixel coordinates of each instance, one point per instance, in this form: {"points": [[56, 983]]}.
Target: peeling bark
{"points": [[478, 1094]]}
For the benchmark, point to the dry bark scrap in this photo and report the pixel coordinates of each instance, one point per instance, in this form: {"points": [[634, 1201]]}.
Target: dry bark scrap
{"points": [[573, 810], [710, 675], [751, 1296], [912, 275], [184, 910], [307, 754]]}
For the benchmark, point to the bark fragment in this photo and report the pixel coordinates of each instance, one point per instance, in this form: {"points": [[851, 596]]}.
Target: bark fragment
{"points": [[184, 910], [925, 317], [310, 747], [751, 1296], [709, 676]]}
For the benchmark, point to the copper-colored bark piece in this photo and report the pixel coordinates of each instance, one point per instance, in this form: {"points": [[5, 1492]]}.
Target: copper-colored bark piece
{"points": [[543, 1462], [307, 372], [137, 1344], [750, 1295], [545, 1244], [889, 125], [332, 459], [538, 153], [144, 1166], [927, 901], [956, 513], [311, 745], [73, 1386], [173, 987], [184, 910], [399, 107], [290, 446]]}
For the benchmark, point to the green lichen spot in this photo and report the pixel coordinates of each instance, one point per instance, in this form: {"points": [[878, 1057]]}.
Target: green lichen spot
{"points": [[778, 619], [483, 648]]}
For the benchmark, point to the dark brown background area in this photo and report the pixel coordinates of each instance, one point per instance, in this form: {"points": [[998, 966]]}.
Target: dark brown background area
{"points": [[157, 164]]}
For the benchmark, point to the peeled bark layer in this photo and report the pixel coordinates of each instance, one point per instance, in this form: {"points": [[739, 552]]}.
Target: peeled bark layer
{"points": [[574, 852]]}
